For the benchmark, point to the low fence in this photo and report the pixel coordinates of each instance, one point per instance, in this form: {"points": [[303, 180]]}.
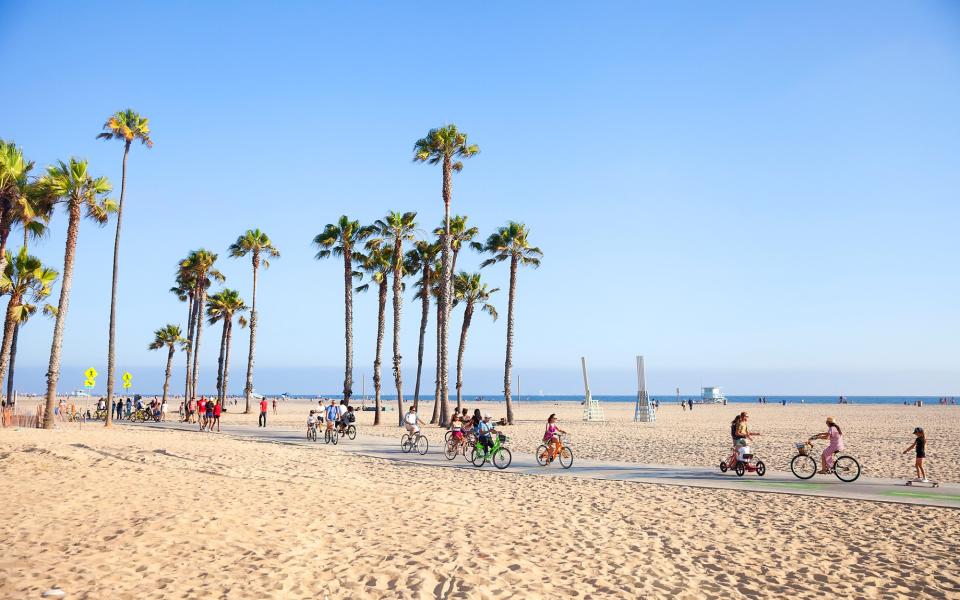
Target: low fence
{"points": [[21, 415]]}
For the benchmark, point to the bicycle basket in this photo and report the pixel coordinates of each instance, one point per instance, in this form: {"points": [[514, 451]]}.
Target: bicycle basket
{"points": [[502, 437], [801, 448]]}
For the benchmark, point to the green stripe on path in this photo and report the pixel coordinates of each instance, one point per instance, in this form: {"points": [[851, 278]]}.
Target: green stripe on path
{"points": [[951, 497], [797, 485]]}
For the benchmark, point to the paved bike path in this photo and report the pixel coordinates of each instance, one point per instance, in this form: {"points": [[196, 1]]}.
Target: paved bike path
{"points": [[865, 488]]}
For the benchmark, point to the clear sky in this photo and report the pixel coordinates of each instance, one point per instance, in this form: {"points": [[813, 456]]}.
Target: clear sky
{"points": [[753, 195]]}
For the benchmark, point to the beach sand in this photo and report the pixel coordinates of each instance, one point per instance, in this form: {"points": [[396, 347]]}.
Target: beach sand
{"points": [[130, 513]]}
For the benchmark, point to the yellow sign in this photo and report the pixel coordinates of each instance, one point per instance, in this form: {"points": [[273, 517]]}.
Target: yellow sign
{"points": [[90, 373], [89, 383], [127, 376], [127, 385]]}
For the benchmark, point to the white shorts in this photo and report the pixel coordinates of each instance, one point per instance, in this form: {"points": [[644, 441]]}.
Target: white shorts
{"points": [[412, 429]]}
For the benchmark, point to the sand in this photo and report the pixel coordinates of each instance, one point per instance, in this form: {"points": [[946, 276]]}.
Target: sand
{"points": [[132, 513]]}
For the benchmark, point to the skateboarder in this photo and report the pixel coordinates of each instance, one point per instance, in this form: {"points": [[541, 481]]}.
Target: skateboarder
{"points": [[920, 444]]}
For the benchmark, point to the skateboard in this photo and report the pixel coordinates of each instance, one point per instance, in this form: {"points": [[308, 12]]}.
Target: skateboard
{"points": [[915, 482]]}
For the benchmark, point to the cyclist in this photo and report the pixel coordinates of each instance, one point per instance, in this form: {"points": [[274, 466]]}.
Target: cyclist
{"points": [[333, 413], [342, 416], [551, 436], [835, 435], [483, 430], [411, 421], [312, 421], [456, 428]]}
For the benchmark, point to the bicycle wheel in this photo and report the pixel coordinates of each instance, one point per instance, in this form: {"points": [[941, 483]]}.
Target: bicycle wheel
{"points": [[761, 468], [326, 436], [479, 457], [740, 469], [334, 437], [352, 432], [723, 466], [804, 467], [450, 450], [566, 457], [542, 455], [502, 458], [448, 435], [846, 468], [423, 444], [405, 444]]}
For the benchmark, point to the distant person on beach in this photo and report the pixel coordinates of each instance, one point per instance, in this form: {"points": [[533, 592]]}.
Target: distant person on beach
{"points": [[163, 410], [274, 406], [217, 409], [683, 405], [262, 421], [129, 407], [835, 435], [202, 412], [690, 404], [920, 445], [209, 415]]}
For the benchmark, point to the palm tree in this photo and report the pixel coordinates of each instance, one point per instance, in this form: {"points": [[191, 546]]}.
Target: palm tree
{"points": [[396, 228], [128, 126], [14, 184], [221, 307], [198, 268], [510, 243], [468, 289], [258, 245], [184, 291], [27, 282], [445, 146], [460, 234], [378, 263], [71, 183], [340, 239], [421, 260], [170, 337]]}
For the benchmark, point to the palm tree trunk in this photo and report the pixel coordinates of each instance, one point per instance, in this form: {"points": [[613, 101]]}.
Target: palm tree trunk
{"points": [[187, 388], [397, 307], [348, 323], [381, 316], [223, 347], [446, 277], [196, 340], [111, 344], [66, 283], [9, 324], [248, 387], [13, 359], [6, 223], [226, 364], [166, 376], [467, 317], [436, 391], [508, 364], [424, 317]]}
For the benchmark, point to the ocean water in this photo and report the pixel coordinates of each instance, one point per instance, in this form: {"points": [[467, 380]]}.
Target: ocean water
{"points": [[666, 399]]}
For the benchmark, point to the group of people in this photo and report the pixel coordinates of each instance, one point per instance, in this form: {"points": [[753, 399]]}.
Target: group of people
{"points": [[124, 408], [334, 415], [204, 412]]}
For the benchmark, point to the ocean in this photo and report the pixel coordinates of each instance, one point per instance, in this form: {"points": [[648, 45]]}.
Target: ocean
{"points": [[927, 400]]}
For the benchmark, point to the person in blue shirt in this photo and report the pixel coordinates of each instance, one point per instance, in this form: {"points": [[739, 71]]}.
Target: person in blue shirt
{"points": [[483, 430], [332, 414], [129, 406]]}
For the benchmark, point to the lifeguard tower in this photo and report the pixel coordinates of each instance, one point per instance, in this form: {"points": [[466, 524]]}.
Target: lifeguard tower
{"points": [[592, 411], [643, 412]]}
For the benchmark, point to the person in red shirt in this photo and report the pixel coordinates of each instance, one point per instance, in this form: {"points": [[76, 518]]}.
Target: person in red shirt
{"points": [[263, 413], [216, 416], [202, 412]]}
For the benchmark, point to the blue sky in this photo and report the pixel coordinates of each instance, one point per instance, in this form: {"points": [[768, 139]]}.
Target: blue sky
{"points": [[757, 195]]}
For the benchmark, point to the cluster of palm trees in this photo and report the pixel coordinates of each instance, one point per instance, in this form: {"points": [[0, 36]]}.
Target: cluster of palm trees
{"points": [[378, 250], [195, 275]]}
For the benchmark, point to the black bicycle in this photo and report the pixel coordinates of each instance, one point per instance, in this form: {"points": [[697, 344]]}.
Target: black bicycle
{"points": [[804, 466]]}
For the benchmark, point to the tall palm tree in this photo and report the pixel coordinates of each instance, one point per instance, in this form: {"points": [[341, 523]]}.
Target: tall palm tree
{"points": [[460, 235], [421, 260], [378, 263], [127, 126], [222, 306], [184, 289], [169, 337], [27, 282], [72, 184], [258, 245], [14, 183], [396, 228], [444, 146], [340, 239], [469, 290], [510, 243], [198, 268]]}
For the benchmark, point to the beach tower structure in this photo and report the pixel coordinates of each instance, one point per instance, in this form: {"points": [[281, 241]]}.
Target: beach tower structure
{"points": [[643, 412], [592, 411]]}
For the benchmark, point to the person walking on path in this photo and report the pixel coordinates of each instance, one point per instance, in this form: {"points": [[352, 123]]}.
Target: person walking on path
{"points": [[262, 422], [920, 444], [216, 416], [690, 404], [274, 406]]}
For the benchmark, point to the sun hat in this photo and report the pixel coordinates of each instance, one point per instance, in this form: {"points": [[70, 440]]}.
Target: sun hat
{"points": [[487, 416], [918, 429], [830, 420]]}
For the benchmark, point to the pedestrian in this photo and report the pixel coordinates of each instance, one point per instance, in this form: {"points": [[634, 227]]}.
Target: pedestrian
{"points": [[262, 422], [163, 410], [920, 444], [216, 416], [690, 404], [202, 412], [129, 407], [274, 406]]}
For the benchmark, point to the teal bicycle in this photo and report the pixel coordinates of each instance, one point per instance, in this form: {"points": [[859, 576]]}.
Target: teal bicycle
{"points": [[499, 455]]}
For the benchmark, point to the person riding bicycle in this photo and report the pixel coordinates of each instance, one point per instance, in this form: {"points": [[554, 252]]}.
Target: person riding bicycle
{"points": [[312, 421], [835, 435], [551, 436], [332, 414], [411, 421], [484, 432]]}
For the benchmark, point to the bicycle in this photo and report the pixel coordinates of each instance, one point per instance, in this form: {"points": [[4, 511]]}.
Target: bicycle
{"points": [[350, 431], [417, 440], [560, 450], [454, 446], [312, 433], [500, 456], [330, 436], [804, 466]]}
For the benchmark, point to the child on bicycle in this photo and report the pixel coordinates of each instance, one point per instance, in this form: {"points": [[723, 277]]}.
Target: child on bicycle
{"points": [[920, 444], [551, 436], [312, 421]]}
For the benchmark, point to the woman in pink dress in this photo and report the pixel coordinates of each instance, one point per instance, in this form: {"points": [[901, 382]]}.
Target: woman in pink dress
{"points": [[835, 436]]}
